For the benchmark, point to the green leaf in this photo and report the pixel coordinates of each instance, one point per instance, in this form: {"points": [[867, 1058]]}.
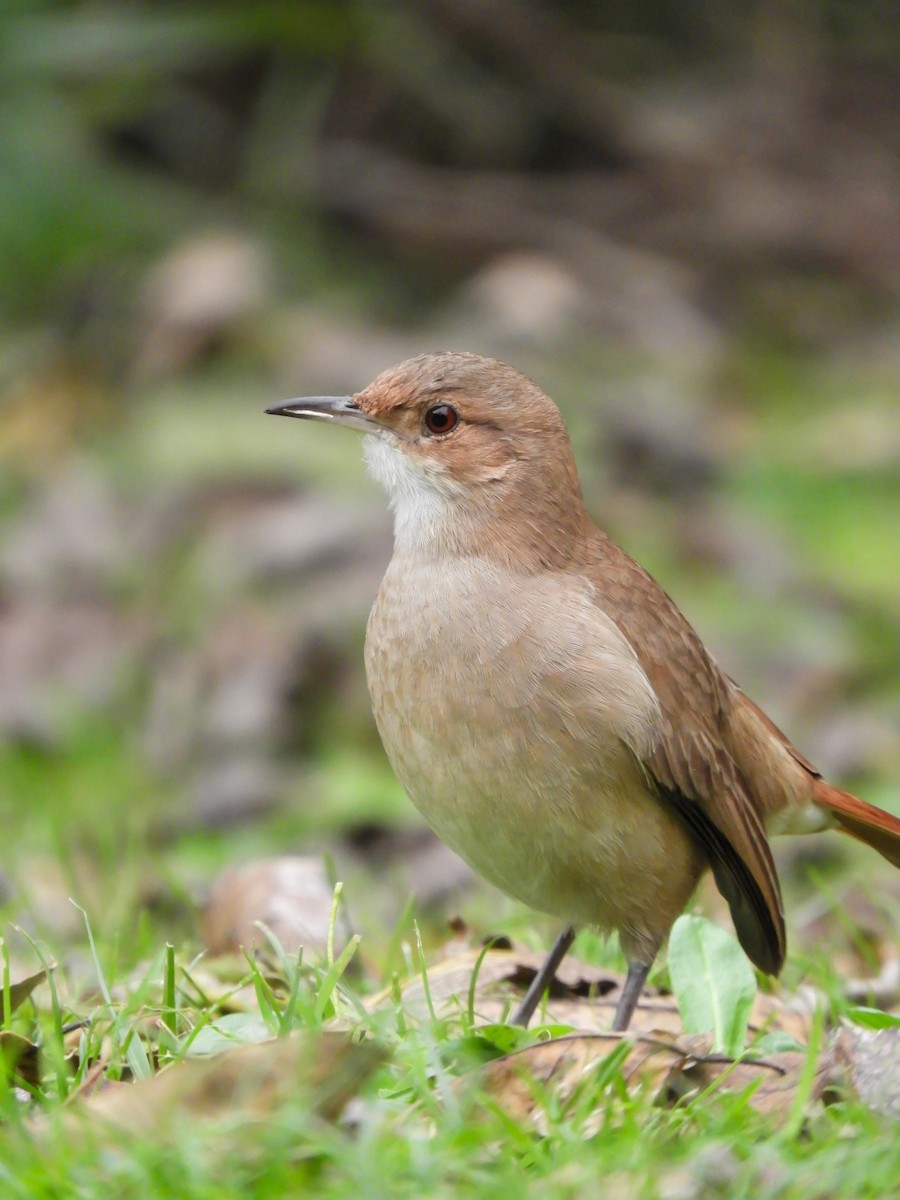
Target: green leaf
{"points": [[776, 1042], [713, 982], [874, 1018], [228, 1031], [469, 1052], [505, 1038]]}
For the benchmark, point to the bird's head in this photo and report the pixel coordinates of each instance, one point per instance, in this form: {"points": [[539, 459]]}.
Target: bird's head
{"points": [[467, 448]]}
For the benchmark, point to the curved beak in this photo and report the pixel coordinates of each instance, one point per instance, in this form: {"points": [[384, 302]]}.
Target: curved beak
{"points": [[339, 409]]}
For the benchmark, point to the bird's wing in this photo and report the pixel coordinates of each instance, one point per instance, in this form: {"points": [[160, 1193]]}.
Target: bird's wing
{"points": [[691, 764]]}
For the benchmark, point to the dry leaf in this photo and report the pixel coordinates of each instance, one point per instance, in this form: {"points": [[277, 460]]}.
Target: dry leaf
{"points": [[870, 1060], [503, 975], [291, 895], [582, 996], [563, 1065], [21, 1058], [22, 989], [248, 1082], [661, 1067], [774, 1077]]}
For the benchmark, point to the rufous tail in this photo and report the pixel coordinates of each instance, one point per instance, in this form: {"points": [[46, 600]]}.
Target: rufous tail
{"points": [[874, 826]]}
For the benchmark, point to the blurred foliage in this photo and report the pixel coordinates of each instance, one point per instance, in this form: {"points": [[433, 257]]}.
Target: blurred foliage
{"points": [[125, 126]]}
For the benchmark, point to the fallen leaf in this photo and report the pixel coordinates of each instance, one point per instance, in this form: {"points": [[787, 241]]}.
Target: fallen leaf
{"points": [[582, 997], [249, 1082], [502, 977], [21, 1058], [22, 989], [664, 1069], [774, 1078], [291, 896], [870, 1059], [564, 1065]]}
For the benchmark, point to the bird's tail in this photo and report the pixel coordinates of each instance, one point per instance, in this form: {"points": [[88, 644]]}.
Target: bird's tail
{"points": [[874, 826]]}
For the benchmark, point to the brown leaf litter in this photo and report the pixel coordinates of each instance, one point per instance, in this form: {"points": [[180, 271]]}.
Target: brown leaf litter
{"points": [[660, 1060], [248, 1083]]}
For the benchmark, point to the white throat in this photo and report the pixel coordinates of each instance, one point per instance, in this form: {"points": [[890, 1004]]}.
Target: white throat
{"points": [[420, 499]]}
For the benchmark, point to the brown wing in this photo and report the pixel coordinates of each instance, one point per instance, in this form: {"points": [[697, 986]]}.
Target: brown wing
{"points": [[778, 735], [693, 769]]}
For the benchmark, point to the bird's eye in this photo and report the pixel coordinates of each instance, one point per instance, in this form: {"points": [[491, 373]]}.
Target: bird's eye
{"points": [[441, 418]]}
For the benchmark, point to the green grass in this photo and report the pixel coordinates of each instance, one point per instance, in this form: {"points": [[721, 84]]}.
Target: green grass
{"points": [[421, 1123]]}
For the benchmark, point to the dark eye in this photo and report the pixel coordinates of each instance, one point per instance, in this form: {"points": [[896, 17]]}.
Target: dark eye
{"points": [[441, 418]]}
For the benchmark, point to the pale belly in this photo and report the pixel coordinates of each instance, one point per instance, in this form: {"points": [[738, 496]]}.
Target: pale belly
{"points": [[521, 770]]}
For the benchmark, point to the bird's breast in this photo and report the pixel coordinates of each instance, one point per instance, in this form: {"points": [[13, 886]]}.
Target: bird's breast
{"points": [[510, 711]]}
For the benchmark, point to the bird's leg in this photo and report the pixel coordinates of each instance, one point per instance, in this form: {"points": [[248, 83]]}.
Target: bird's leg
{"points": [[631, 993], [544, 978]]}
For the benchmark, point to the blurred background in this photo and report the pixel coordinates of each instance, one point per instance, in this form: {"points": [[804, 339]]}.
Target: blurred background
{"points": [[683, 220]]}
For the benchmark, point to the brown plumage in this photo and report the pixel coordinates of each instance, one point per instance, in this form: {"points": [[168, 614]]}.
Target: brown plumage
{"points": [[543, 701]]}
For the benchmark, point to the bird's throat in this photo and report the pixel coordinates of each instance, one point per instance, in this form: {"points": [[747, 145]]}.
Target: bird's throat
{"points": [[421, 498]]}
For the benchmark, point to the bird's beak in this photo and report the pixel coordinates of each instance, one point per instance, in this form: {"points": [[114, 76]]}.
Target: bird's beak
{"points": [[339, 409]]}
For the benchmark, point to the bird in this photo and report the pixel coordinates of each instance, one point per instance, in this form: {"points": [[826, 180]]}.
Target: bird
{"points": [[545, 704]]}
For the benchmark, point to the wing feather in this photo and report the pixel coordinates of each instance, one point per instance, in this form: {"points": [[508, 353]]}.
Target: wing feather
{"points": [[694, 770]]}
